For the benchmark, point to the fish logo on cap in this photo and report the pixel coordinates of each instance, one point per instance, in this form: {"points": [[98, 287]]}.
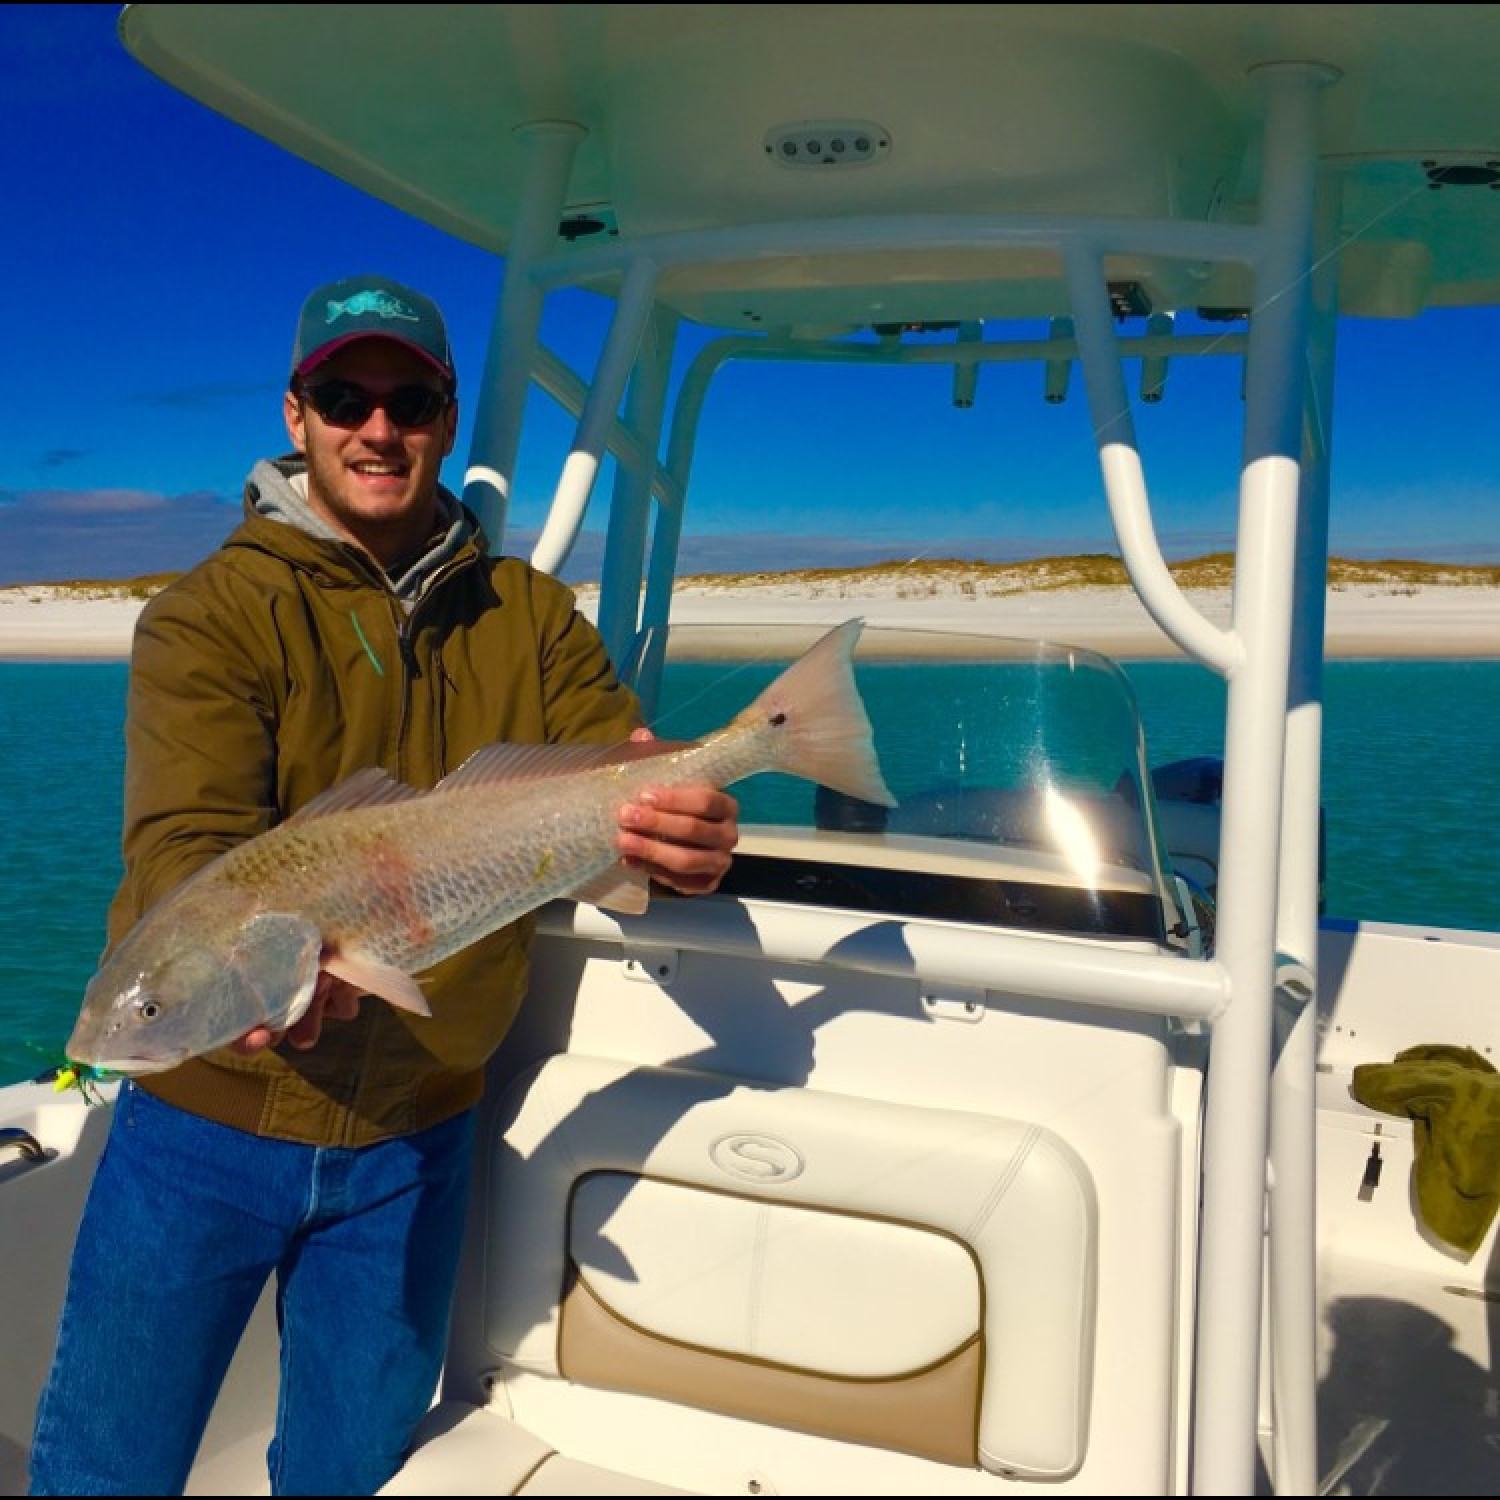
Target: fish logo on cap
{"points": [[374, 304]]}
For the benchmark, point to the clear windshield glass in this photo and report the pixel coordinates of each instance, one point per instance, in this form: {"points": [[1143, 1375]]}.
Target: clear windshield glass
{"points": [[1019, 768]]}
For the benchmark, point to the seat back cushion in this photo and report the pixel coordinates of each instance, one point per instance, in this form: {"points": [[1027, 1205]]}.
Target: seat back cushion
{"points": [[911, 1278]]}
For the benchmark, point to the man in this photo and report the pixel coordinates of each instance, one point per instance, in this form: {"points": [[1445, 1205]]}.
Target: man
{"points": [[354, 618]]}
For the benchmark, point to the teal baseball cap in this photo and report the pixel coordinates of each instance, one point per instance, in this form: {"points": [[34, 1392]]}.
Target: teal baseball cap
{"points": [[365, 307]]}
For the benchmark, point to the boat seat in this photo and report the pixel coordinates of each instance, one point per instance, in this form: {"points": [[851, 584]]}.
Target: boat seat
{"points": [[906, 1278], [463, 1449]]}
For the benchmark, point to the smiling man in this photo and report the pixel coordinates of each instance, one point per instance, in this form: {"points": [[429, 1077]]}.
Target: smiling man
{"points": [[372, 409], [355, 618]]}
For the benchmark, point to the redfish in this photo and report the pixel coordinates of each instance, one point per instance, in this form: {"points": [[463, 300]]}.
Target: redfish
{"points": [[376, 881]]}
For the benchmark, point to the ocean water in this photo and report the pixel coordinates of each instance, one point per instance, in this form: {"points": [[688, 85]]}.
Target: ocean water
{"points": [[1411, 784]]}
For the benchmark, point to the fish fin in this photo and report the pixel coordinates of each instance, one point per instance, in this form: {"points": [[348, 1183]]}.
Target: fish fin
{"points": [[297, 1009], [620, 888], [371, 787], [829, 739], [505, 762], [276, 955], [393, 985]]}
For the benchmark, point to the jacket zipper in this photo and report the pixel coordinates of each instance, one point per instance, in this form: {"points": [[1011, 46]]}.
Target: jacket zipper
{"points": [[405, 623]]}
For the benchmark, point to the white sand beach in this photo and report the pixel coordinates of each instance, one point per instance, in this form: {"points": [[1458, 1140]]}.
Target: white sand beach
{"points": [[46, 621], [1381, 620], [1363, 621]]}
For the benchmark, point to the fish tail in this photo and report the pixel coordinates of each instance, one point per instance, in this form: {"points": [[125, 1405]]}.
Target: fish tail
{"points": [[827, 736]]}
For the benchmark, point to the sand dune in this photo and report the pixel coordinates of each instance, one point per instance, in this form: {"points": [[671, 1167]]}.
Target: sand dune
{"points": [[1370, 612]]}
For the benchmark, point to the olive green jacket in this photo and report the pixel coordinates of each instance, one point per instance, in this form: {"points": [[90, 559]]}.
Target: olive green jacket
{"points": [[275, 668]]}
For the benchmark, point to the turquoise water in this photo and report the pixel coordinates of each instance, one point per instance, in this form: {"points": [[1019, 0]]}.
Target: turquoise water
{"points": [[1411, 784]]}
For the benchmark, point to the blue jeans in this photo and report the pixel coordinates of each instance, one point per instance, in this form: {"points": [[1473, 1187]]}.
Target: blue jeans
{"points": [[185, 1222]]}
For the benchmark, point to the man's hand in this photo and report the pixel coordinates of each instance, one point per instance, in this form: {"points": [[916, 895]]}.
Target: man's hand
{"points": [[333, 1000], [681, 836]]}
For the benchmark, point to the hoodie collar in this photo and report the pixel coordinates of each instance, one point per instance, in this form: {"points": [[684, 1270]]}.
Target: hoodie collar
{"points": [[277, 489]]}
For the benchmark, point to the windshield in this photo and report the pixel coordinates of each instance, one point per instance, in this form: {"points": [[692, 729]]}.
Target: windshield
{"points": [[1018, 766]]}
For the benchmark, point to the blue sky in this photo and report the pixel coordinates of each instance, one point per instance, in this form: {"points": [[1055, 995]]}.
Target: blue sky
{"points": [[154, 258]]}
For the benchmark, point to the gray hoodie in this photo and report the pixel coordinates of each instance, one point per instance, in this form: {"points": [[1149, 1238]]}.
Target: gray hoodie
{"points": [[277, 488]]}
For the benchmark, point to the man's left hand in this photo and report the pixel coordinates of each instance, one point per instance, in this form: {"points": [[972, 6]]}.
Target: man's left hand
{"points": [[681, 836]]}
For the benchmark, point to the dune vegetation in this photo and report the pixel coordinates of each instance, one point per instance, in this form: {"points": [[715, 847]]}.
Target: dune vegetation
{"points": [[1088, 570], [931, 576]]}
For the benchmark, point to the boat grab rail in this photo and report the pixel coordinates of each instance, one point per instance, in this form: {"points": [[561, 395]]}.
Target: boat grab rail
{"points": [[937, 954], [29, 1152]]}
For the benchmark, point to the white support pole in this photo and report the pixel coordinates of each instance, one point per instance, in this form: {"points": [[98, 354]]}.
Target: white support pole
{"points": [[666, 537], [1237, 1102], [1120, 462], [500, 403], [1292, 1281], [630, 508], [581, 467]]}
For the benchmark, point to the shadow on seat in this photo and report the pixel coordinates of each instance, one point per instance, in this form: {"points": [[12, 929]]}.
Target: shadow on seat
{"points": [[859, 1272]]}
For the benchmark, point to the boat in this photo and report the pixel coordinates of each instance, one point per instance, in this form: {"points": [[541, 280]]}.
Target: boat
{"points": [[1009, 1141]]}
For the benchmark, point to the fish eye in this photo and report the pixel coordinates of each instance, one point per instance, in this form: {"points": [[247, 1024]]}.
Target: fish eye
{"points": [[147, 1010]]}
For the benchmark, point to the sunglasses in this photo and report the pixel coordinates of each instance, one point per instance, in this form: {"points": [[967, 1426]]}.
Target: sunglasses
{"points": [[342, 403]]}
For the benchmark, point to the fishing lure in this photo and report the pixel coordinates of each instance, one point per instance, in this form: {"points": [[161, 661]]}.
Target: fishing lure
{"points": [[73, 1075], [85, 1079]]}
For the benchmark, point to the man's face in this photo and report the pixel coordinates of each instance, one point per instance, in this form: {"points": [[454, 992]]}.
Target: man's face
{"points": [[375, 482]]}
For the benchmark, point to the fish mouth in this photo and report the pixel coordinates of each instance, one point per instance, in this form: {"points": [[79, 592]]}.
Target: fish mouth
{"points": [[129, 1067], [108, 1049]]}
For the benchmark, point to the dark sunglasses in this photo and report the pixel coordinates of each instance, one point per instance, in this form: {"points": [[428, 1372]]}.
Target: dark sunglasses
{"points": [[342, 403]]}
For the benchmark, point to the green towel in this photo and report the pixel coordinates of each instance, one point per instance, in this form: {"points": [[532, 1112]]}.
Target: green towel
{"points": [[1452, 1096]]}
